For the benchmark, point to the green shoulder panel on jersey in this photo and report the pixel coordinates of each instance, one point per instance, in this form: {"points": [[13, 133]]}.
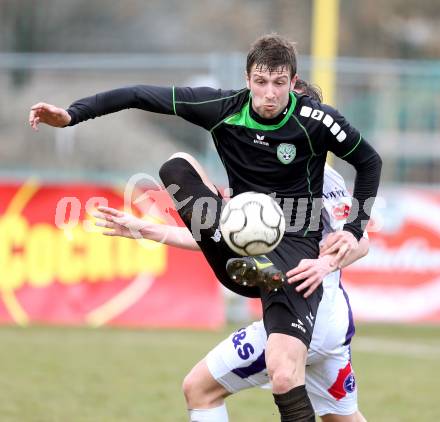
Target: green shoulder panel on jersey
{"points": [[243, 117], [201, 103]]}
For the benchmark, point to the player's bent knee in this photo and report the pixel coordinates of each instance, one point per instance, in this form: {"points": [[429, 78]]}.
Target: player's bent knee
{"points": [[184, 155], [182, 168], [189, 165], [201, 390], [174, 170], [194, 393], [283, 381], [285, 359], [189, 387], [284, 374]]}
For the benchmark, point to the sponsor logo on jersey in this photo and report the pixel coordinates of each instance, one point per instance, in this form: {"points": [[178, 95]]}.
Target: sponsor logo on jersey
{"points": [[286, 153], [340, 211], [336, 193], [244, 351], [260, 140], [328, 120]]}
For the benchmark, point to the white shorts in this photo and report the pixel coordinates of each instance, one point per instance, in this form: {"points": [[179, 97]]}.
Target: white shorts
{"points": [[238, 362]]}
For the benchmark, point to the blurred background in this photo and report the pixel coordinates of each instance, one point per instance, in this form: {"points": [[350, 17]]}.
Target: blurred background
{"points": [[387, 76], [377, 62]]}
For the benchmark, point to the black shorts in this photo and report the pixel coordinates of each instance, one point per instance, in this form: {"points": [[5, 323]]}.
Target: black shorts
{"points": [[284, 310]]}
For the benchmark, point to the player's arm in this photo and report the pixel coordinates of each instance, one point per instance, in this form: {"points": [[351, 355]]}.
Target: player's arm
{"points": [[124, 224], [368, 167], [343, 256], [355, 254], [144, 97], [201, 106], [49, 114], [311, 272], [119, 223], [349, 145]]}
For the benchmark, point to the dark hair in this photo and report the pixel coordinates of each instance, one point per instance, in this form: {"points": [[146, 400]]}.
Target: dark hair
{"points": [[271, 52], [304, 87]]}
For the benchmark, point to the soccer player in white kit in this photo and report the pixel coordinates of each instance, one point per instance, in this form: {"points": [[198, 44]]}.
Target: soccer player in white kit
{"points": [[238, 362]]}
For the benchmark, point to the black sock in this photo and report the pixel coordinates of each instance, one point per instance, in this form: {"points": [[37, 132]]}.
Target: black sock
{"points": [[295, 405]]}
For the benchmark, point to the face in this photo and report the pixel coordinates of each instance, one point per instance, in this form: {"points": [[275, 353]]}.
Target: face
{"points": [[270, 90]]}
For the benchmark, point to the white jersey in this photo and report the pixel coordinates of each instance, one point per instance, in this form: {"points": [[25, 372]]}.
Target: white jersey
{"points": [[334, 321], [239, 361]]}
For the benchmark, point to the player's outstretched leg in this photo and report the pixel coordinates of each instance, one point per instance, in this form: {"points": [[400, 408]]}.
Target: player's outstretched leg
{"points": [[197, 167], [199, 205], [255, 271]]}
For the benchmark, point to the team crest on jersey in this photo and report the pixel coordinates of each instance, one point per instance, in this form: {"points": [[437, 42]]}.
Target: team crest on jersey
{"points": [[350, 383], [286, 153], [344, 384]]}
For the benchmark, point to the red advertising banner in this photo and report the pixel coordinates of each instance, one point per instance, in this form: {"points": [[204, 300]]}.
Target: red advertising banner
{"points": [[57, 268], [399, 279]]}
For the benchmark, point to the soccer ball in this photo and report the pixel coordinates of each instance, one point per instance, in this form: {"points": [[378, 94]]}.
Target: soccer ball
{"points": [[252, 224]]}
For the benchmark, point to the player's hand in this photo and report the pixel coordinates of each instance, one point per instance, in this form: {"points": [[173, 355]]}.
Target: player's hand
{"points": [[341, 243], [48, 114], [120, 223], [310, 272]]}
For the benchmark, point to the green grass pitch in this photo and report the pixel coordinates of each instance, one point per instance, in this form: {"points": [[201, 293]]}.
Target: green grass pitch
{"points": [[113, 375]]}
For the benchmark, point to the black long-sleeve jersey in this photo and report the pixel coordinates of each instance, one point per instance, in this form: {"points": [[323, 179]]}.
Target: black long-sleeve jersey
{"points": [[284, 156]]}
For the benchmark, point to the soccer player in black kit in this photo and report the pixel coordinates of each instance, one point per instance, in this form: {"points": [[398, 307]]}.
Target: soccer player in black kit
{"points": [[273, 141]]}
